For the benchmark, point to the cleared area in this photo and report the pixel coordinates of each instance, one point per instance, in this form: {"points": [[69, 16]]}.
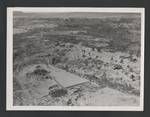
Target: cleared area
{"points": [[66, 79]]}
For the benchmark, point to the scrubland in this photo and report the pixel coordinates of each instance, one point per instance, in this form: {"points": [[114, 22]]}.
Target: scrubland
{"points": [[104, 51]]}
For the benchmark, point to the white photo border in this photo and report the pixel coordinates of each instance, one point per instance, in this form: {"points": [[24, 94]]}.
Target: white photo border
{"points": [[9, 71]]}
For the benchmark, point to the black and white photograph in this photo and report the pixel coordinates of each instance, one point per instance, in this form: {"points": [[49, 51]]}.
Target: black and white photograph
{"points": [[75, 58]]}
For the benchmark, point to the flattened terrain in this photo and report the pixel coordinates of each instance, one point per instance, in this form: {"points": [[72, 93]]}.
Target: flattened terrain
{"points": [[66, 79]]}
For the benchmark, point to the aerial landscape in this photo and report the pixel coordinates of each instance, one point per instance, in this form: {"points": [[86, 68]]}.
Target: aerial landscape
{"points": [[76, 59]]}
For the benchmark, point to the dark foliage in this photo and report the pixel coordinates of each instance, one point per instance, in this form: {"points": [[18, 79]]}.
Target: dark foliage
{"points": [[58, 92]]}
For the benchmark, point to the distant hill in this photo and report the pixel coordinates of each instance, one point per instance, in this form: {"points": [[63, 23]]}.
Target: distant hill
{"points": [[75, 14], [18, 13]]}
